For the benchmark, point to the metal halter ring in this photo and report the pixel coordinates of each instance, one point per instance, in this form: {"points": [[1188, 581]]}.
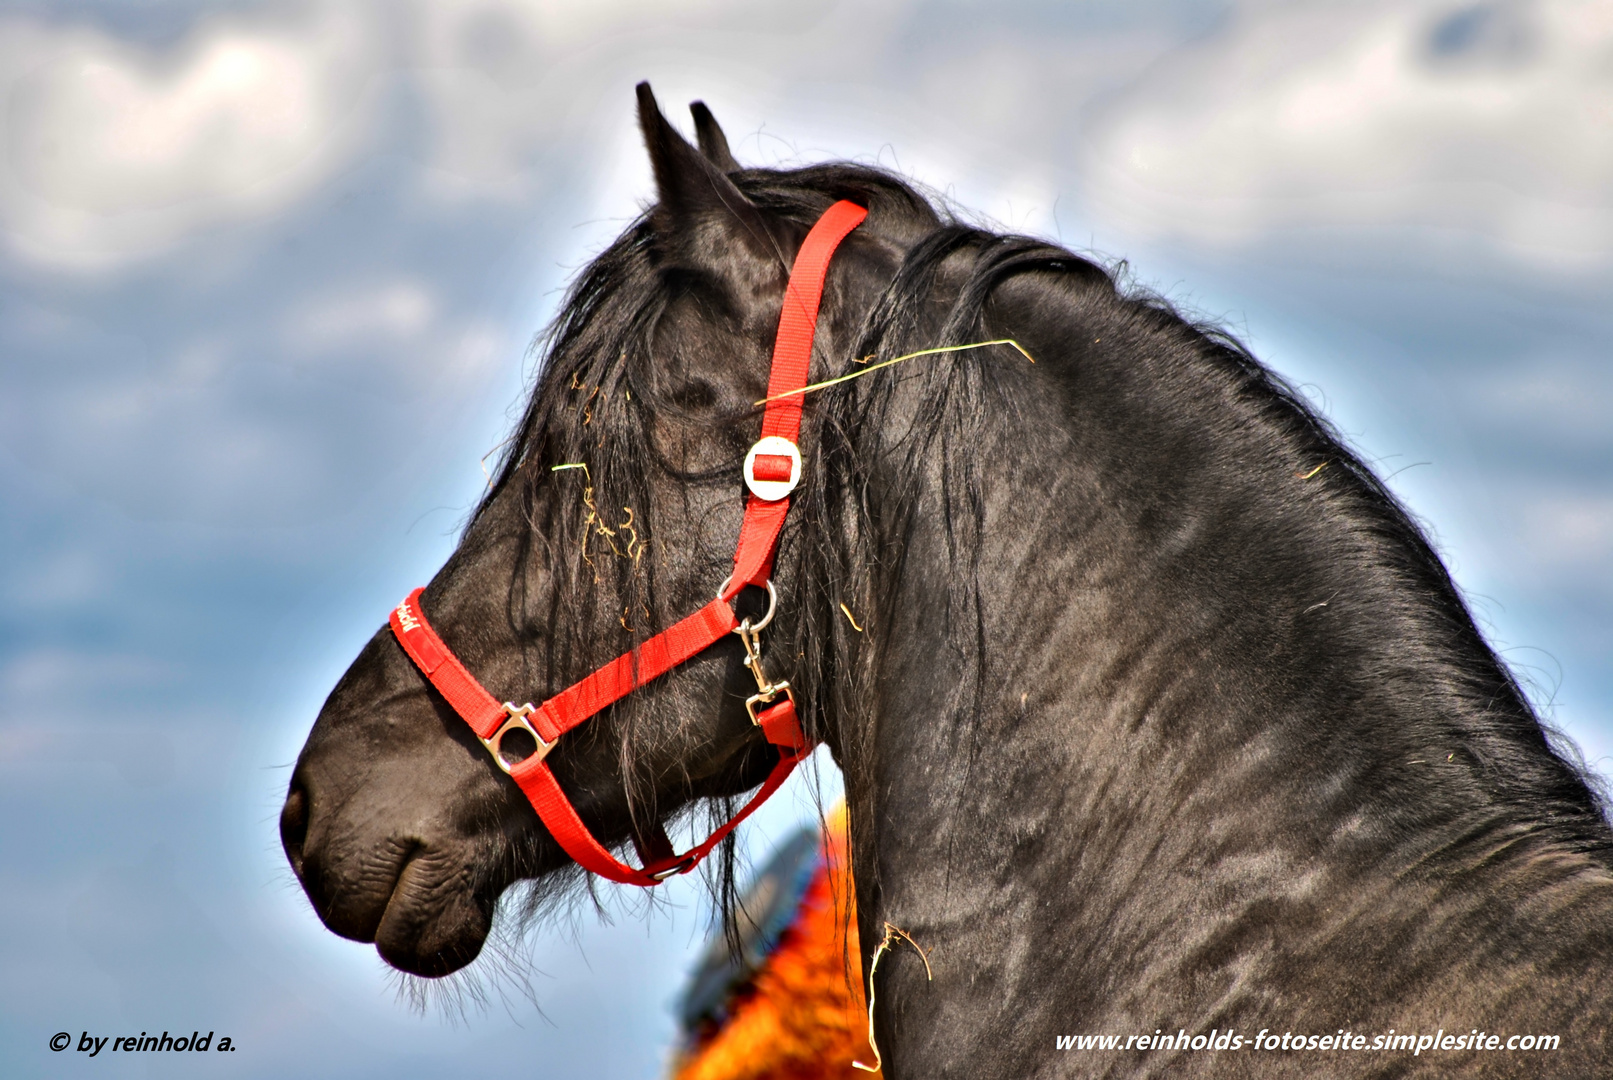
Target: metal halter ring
{"points": [[682, 866], [772, 603], [517, 718]]}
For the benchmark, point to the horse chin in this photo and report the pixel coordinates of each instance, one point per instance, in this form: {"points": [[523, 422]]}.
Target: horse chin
{"points": [[432, 925]]}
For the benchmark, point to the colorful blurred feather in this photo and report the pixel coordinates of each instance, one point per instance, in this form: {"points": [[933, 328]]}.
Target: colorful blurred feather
{"points": [[793, 1010]]}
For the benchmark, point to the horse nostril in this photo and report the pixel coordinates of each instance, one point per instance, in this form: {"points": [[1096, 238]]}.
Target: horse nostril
{"points": [[294, 825]]}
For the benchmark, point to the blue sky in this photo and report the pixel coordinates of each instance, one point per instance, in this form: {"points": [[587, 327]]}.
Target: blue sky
{"points": [[268, 277]]}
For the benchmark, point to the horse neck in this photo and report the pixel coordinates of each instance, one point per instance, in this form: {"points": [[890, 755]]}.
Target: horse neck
{"points": [[1195, 673]]}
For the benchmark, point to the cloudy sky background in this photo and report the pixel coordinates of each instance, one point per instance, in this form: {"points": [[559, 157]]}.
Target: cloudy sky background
{"points": [[269, 271]]}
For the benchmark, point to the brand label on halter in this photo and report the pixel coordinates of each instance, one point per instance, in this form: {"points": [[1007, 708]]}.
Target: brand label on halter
{"points": [[406, 618]]}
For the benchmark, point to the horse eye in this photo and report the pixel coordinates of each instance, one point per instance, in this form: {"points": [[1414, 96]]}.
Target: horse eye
{"points": [[693, 394]]}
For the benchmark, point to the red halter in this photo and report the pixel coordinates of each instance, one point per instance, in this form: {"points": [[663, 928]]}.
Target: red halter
{"points": [[772, 470]]}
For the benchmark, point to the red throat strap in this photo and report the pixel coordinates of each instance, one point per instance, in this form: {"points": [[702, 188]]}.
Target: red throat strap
{"points": [[753, 562]]}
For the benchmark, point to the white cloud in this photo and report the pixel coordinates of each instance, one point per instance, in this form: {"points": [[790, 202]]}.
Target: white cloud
{"points": [[114, 151], [396, 309], [1570, 535], [64, 578], [514, 87], [1550, 401], [1493, 118], [63, 675]]}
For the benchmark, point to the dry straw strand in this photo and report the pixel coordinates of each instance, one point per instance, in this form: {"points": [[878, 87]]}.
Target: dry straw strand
{"points": [[850, 618], [892, 932], [1313, 472], [871, 368]]}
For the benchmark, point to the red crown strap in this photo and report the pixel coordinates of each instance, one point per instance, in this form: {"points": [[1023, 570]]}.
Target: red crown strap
{"points": [[798, 320], [753, 561], [792, 361]]}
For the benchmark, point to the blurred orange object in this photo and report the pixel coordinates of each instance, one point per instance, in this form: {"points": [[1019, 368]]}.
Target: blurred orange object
{"points": [[790, 1008]]}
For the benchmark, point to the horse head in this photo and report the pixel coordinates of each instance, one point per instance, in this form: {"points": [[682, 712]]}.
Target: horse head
{"points": [[614, 514]]}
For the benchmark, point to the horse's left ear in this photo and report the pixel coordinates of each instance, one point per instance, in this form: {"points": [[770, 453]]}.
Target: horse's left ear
{"points": [[713, 143], [694, 191]]}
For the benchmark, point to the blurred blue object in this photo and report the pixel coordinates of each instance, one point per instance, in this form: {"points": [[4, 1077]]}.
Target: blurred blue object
{"points": [[766, 908]]}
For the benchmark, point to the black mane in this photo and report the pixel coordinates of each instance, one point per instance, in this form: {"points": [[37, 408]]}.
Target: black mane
{"points": [[597, 384]]}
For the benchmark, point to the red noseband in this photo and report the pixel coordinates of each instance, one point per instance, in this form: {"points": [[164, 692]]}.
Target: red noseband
{"points": [[772, 470]]}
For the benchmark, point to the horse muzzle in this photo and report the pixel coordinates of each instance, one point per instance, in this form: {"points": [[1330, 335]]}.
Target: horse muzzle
{"points": [[413, 892]]}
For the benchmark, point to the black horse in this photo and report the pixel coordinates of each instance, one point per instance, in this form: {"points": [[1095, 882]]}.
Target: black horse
{"points": [[1159, 718]]}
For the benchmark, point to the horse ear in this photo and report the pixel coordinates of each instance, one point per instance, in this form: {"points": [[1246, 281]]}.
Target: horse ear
{"points": [[713, 143], [692, 189]]}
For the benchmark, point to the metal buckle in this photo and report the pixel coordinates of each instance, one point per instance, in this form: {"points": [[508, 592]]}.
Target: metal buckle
{"points": [[767, 697], [772, 490], [517, 719]]}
